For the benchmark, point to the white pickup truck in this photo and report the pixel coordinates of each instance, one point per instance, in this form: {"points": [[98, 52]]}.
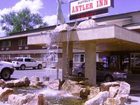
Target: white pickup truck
{"points": [[6, 70], [26, 62]]}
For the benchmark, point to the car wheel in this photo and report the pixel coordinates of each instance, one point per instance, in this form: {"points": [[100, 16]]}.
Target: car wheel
{"points": [[5, 74], [108, 78], [22, 67], [80, 75], [39, 66]]}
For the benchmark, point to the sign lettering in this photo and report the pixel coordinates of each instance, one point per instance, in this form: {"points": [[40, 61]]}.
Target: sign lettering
{"points": [[82, 6]]}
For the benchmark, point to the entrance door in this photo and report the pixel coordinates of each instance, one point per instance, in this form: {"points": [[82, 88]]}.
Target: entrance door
{"points": [[125, 62], [114, 63], [135, 62]]}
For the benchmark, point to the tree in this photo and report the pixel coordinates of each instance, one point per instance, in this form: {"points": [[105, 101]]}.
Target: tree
{"points": [[21, 21]]}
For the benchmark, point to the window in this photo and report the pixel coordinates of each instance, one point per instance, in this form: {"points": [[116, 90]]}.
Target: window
{"points": [[136, 62], [6, 44], [79, 58], [82, 58], [27, 60], [32, 60], [22, 42], [76, 58], [20, 60], [54, 58]]}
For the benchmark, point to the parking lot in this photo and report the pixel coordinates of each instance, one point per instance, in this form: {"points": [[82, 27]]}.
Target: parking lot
{"points": [[45, 72], [133, 79]]}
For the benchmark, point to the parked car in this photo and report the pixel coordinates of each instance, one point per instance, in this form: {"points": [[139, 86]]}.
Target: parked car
{"points": [[103, 74], [6, 70], [26, 62]]}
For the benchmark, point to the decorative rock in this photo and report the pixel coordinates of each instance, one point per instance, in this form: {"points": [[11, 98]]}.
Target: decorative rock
{"points": [[99, 99], [45, 83], [20, 99], [113, 91], [37, 100], [112, 101], [18, 83], [90, 23], [54, 84], [123, 92], [26, 81], [29, 99], [67, 84], [9, 84], [107, 85], [35, 82], [62, 27], [93, 92], [85, 82], [84, 93], [123, 100], [2, 82], [72, 86], [4, 93], [124, 89], [41, 100]]}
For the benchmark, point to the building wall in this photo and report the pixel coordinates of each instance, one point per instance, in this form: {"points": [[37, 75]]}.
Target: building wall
{"points": [[36, 49], [19, 47], [136, 18]]}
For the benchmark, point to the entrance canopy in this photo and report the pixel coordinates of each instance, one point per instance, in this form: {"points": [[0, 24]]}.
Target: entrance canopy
{"points": [[106, 38]]}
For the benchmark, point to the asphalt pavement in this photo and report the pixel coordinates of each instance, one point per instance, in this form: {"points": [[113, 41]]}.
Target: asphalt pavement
{"points": [[45, 72]]}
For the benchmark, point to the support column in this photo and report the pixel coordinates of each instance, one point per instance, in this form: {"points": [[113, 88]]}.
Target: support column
{"points": [[90, 62], [67, 59]]}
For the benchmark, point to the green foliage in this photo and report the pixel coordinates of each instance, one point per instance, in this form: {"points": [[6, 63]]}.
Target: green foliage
{"points": [[21, 21]]}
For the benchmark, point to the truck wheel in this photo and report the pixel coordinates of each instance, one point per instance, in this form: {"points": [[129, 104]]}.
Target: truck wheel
{"points": [[22, 67], [39, 66], [5, 74]]}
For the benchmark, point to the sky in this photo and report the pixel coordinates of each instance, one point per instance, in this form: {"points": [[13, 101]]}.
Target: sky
{"points": [[48, 8]]}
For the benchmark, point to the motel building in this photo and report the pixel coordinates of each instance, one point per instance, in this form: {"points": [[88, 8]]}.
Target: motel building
{"points": [[112, 39]]}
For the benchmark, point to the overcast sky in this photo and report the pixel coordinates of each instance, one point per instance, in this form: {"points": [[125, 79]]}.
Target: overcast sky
{"points": [[48, 8]]}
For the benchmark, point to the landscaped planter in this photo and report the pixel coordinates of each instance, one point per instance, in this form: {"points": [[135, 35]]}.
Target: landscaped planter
{"points": [[39, 92]]}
